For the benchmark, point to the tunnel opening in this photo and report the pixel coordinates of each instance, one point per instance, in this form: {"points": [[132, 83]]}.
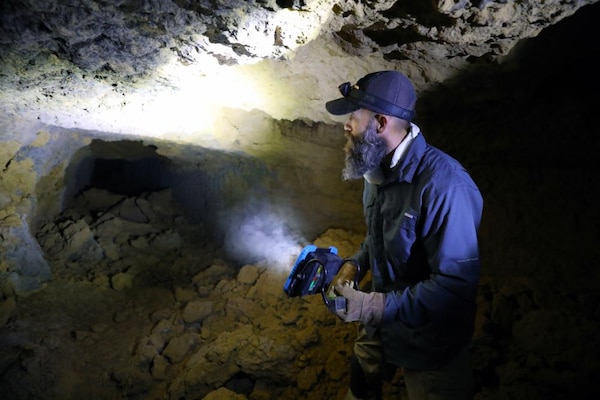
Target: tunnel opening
{"points": [[227, 200], [119, 224], [127, 177], [123, 167]]}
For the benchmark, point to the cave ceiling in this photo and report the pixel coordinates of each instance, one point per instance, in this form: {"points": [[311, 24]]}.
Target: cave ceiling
{"points": [[86, 64]]}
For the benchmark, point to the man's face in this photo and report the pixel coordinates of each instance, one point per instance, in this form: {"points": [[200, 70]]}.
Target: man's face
{"points": [[365, 148]]}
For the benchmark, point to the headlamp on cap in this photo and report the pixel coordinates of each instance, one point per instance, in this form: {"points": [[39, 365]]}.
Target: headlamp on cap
{"points": [[345, 88]]}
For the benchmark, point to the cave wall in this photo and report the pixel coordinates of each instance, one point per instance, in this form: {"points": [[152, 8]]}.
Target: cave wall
{"points": [[204, 84], [226, 192], [60, 95]]}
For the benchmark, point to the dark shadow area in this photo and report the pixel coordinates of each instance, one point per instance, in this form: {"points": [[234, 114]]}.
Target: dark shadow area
{"points": [[534, 109], [526, 129], [125, 167], [127, 177], [423, 11]]}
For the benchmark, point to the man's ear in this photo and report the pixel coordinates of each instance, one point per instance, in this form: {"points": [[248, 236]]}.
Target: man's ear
{"points": [[381, 122]]}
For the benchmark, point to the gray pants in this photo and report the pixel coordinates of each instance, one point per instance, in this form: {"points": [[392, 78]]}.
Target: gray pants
{"points": [[453, 381]]}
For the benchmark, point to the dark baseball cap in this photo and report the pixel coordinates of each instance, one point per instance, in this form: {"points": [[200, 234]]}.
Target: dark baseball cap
{"points": [[385, 92]]}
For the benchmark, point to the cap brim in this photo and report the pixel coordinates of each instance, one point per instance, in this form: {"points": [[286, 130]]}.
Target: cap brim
{"points": [[341, 106]]}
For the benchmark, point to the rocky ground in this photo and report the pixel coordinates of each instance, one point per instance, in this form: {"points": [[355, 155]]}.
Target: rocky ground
{"points": [[143, 306]]}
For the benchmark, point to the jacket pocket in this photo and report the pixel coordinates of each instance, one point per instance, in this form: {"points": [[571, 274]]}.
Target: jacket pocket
{"points": [[400, 235]]}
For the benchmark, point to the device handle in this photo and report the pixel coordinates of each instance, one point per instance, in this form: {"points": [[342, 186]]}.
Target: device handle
{"points": [[338, 302]]}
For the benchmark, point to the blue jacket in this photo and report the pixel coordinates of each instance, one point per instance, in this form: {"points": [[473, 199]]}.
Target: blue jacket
{"points": [[422, 249]]}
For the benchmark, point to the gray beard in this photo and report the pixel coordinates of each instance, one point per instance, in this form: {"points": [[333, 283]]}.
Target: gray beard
{"points": [[365, 153]]}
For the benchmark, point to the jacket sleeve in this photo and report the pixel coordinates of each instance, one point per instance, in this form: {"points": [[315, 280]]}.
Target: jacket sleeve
{"points": [[362, 258], [449, 233]]}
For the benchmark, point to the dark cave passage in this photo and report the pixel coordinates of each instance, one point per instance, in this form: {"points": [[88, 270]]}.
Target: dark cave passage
{"points": [[122, 167], [126, 177]]}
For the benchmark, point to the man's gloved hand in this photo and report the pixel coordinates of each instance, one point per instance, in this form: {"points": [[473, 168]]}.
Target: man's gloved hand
{"points": [[346, 274], [360, 306]]}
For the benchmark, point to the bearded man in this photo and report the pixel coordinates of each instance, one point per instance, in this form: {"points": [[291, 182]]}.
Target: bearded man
{"points": [[422, 212]]}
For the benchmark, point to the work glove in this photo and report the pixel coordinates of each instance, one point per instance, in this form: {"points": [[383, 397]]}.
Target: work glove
{"points": [[346, 274], [360, 306]]}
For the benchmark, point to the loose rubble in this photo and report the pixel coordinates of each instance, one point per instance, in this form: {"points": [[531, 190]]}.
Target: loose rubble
{"points": [[143, 306]]}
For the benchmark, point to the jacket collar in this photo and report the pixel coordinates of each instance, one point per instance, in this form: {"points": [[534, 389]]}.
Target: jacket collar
{"points": [[408, 164]]}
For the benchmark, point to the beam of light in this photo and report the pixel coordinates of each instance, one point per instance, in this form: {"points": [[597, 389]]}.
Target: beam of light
{"points": [[186, 104], [193, 104], [203, 91], [186, 101]]}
